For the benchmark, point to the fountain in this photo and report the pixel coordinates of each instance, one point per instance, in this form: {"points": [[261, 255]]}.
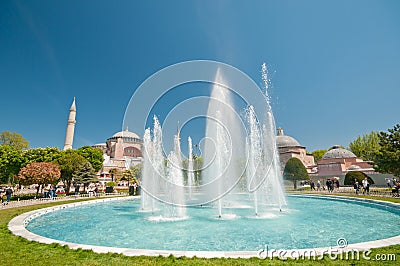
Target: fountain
{"points": [[227, 161], [163, 187], [190, 170]]}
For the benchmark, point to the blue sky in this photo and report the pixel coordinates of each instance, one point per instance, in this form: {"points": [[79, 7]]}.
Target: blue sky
{"points": [[334, 64]]}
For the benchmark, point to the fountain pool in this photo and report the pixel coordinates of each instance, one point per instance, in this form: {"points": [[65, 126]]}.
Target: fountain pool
{"points": [[310, 222]]}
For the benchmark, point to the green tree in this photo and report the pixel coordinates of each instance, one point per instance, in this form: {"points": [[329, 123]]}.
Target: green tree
{"points": [[318, 154], [48, 154], [388, 158], [127, 175], [85, 175], [366, 146], [13, 139], [198, 166], [351, 175], [136, 171], [294, 171], [39, 173], [93, 155], [114, 173], [69, 162], [11, 161]]}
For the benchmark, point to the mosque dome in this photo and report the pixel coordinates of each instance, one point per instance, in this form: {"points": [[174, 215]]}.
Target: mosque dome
{"points": [[125, 134], [285, 141], [338, 153]]}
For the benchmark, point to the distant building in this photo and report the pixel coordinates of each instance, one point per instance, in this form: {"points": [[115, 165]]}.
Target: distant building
{"points": [[288, 147], [337, 162], [121, 151]]}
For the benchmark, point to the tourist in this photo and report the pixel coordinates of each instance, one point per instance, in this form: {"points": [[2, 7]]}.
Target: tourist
{"points": [[134, 188], [46, 190], [54, 189], [395, 189], [365, 186], [77, 187], [356, 186], [318, 185], [329, 185], [51, 191], [388, 182], [312, 185], [337, 183], [8, 193], [2, 194]]}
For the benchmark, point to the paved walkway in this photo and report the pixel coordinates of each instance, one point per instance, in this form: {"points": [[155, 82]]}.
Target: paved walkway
{"points": [[345, 191], [20, 203], [348, 191]]}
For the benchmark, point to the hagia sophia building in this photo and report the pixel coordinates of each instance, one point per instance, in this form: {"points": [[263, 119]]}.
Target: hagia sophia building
{"points": [[124, 149]]}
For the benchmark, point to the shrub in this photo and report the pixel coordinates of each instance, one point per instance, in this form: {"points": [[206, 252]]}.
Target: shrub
{"points": [[111, 184], [26, 196], [294, 171], [350, 176]]}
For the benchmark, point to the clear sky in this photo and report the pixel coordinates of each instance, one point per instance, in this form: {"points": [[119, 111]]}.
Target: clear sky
{"points": [[335, 65]]}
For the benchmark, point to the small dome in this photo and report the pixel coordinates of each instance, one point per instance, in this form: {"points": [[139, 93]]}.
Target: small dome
{"points": [[337, 153], [285, 141], [126, 134], [354, 167]]}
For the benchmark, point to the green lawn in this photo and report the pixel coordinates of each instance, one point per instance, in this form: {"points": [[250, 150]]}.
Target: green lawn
{"points": [[19, 251]]}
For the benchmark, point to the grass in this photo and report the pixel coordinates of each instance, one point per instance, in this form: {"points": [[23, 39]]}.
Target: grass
{"points": [[19, 251]]}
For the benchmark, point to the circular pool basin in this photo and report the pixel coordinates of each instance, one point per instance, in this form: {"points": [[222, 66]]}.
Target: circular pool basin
{"points": [[308, 222]]}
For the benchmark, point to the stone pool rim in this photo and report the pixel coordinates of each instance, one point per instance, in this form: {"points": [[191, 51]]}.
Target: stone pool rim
{"points": [[17, 226]]}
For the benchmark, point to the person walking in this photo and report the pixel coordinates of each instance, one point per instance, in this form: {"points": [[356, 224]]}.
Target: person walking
{"points": [[312, 185], [318, 185], [365, 186], [9, 192], [356, 186]]}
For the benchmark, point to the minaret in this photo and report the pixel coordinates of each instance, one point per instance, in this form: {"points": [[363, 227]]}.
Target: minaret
{"points": [[69, 135]]}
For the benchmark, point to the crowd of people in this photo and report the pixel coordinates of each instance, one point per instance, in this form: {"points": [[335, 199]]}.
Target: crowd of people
{"points": [[364, 186], [330, 185]]}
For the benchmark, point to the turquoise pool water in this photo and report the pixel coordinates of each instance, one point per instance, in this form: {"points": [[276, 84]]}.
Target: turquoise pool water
{"points": [[306, 223]]}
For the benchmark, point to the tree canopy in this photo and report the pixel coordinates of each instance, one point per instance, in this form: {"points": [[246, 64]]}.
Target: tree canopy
{"points": [[48, 154], [352, 175], [114, 172], [294, 171], [13, 139], [11, 160], [40, 173], [69, 162], [388, 158], [84, 175], [136, 171], [366, 147], [93, 155], [318, 154]]}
